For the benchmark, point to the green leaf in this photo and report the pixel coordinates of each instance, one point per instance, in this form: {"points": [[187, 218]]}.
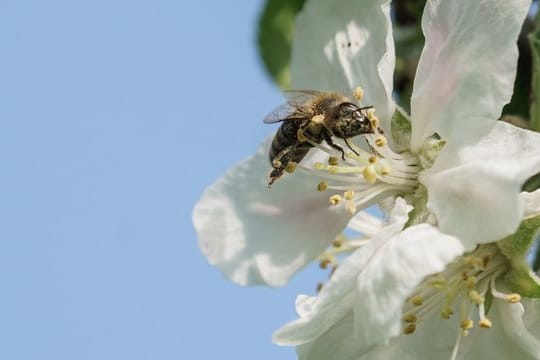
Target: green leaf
{"points": [[532, 184], [276, 30], [520, 278]]}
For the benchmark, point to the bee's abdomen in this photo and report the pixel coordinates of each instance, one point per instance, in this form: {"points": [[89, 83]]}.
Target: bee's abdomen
{"points": [[285, 136], [287, 139]]}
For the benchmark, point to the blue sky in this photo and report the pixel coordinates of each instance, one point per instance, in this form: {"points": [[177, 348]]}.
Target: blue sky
{"points": [[114, 116]]}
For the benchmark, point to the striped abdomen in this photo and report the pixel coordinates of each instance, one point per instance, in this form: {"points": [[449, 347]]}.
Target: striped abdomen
{"points": [[285, 145]]}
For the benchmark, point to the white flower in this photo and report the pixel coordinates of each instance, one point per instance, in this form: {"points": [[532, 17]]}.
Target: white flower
{"points": [[411, 282], [465, 76]]}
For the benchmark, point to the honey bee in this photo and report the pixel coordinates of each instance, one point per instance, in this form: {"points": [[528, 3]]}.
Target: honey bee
{"points": [[309, 118]]}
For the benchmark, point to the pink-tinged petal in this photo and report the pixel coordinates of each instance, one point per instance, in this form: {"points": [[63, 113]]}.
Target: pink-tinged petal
{"points": [[467, 68], [474, 187], [339, 45], [256, 235]]}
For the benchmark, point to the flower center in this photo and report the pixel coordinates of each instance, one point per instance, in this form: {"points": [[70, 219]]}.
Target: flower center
{"points": [[365, 175], [362, 177], [463, 287]]}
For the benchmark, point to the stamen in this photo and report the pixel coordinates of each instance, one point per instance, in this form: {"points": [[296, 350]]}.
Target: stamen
{"points": [[510, 298], [291, 166], [348, 195], [410, 318], [485, 323], [476, 297], [322, 186], [466, 324], [338, 241], [335, 199], [417, 300], [409, 329], [380, 141], [332, 160], [369, 173], [358, 93], [446, 312]]}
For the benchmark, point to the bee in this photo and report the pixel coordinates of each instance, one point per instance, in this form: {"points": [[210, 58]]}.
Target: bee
{"points": [[309, 118]]}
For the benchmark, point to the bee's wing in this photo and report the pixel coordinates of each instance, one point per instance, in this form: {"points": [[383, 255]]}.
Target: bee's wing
{"points": [[281, 113], [293, 108]]}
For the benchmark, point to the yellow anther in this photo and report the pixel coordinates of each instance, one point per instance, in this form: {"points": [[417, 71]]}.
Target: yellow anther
{"points": [[417, 300], [513, 298], [319, 166], [332, 160], [485, 323], [380, 141], [291, 166], [338, 241], [370, 113], [372, 159], [374, 121], [409, 329], [300, 135], [348, 195], [476, 297], [370, 174], [333, 169], [410, 318], [335, 199], [470, 282], [466, 324], [318, 119], [446, 312], [322, 186], [327, 260], [351, 209], [358, 93]]}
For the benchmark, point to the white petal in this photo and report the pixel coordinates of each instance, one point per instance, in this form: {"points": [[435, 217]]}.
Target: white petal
{"points": [[365, 223], [339, 45], [508, 338], [338, 343], [474, 188], [435, 338], [532, 316], [256, 235], [393, 273], [336, 298], [467, 68], [531, 203]]}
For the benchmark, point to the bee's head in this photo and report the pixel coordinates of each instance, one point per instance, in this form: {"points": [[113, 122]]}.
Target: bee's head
{"points": [[351, 121]]}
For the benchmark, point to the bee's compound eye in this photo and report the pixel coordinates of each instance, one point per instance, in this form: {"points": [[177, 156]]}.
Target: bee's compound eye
{"points": [[347, 110]]}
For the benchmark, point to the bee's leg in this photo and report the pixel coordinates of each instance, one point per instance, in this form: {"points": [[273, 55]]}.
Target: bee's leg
{"points": [[280, 162], [349, 146], [300, 133], [329, 141]]}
